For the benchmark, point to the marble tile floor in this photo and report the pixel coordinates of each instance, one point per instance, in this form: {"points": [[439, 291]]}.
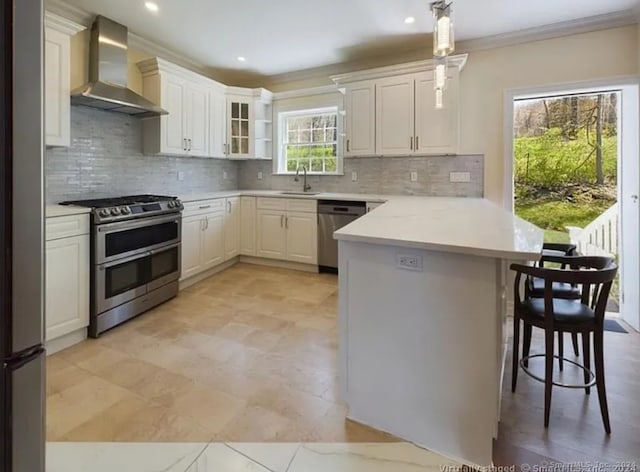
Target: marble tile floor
{"points": [[248, 355], [242, 457]]}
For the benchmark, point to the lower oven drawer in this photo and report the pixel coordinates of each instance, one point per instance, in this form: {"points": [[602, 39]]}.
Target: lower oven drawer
{"points": [[118, 282]]}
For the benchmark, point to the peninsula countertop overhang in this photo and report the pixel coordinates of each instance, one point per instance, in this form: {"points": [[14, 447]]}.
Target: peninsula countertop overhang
{"points": [[472, 226]]}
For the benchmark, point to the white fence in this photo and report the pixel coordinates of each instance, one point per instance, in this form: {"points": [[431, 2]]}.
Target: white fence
{"points": [[600, 237]]}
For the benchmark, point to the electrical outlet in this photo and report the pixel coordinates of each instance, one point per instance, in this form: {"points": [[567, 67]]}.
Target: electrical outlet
{"points": [[180, 176], [354, 176], [405, 261], [224, 175], [414, 176], [459, 177], [259, 175]]}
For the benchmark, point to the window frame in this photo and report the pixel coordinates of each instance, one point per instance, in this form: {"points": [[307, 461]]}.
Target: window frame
{"points": [[280, 162]]}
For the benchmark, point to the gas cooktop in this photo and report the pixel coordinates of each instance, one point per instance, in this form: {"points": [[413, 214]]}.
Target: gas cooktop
{"points": [[107, 210]]}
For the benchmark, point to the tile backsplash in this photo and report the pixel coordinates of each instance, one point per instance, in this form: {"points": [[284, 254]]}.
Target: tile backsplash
{"points": [[105, 159], [380, 175]]}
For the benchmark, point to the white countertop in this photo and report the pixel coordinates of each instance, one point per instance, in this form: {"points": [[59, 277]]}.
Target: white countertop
{"points": [[461, 225], [279, 194], [52, 211]]}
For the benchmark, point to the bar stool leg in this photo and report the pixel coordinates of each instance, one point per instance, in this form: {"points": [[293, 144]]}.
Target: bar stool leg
{"points": [[560, 349], [574, 340], [526, 343], [598, 348], [514, 353], [586, 353], [548, 376]]}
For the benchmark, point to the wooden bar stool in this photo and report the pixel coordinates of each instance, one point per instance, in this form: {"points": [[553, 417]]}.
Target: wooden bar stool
{"points": [[567, 291], [594, 275]]}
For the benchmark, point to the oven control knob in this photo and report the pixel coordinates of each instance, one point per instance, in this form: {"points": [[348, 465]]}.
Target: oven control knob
{"points": [[171, 204], [125, 210], [115, 211], [104, 212]]}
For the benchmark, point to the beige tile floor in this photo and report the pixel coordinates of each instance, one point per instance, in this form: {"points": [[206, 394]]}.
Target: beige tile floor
{"points": [[248, 355]]}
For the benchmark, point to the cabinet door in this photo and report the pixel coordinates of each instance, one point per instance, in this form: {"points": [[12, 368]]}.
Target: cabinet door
{"points": [[232, 228], [197, 118], [173, 130], [395, 116], [56, 88], [302, 237], [240, 129], [67, 286], [248, 226], [192, 235], [218, 124], [360, 120], [436, 129], [271, 234], [213, 240]]}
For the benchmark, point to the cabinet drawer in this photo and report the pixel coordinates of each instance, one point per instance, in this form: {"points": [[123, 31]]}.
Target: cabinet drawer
{"points": [[203, 206], [303, 205], [58, 227], [272, 203]]}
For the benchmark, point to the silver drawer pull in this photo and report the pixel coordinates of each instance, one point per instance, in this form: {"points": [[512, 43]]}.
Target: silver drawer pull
{"points": [[204, 207]]}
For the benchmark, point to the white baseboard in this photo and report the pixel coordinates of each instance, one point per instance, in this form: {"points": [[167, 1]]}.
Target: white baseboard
{"points": [[66, 341], [279, 264], [184, 283]]}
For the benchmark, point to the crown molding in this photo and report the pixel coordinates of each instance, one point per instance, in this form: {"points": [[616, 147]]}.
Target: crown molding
{"points": [[69, 12], [62, 24], [556, 30], [306, 92], [457, 61]]}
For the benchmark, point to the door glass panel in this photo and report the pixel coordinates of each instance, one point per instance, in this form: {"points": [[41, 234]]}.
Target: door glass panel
{"points": [[124, 277], [235, 145], [122, 242], [245, 129], [245, 111], [235, 128], [245, 146], [164, 263], [235, 110]]}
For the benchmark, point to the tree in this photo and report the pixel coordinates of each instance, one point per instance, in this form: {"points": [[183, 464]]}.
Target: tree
{"points": [[599, 113]]}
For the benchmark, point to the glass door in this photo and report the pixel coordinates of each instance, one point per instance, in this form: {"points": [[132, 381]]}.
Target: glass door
{"points": [[240, 128], [121, 281], [164, 266]]}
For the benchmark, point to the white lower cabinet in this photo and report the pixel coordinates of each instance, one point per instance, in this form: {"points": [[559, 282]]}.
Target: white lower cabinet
{"points": [[232, 228], [202, 242], [289, 233], [248, 226], [67, 276]]}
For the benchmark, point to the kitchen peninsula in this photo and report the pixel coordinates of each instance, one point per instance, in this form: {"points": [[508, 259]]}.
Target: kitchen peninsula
{"points": [[422, 308]]}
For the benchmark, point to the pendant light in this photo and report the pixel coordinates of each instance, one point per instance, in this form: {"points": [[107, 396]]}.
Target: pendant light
{"points": [[443, 45]]}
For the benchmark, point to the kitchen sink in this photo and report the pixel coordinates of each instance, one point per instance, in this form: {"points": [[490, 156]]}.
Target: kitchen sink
{"points": [[298, 193]]}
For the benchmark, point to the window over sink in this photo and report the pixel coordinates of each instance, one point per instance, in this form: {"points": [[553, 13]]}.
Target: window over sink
{"points": [[309, 138]]}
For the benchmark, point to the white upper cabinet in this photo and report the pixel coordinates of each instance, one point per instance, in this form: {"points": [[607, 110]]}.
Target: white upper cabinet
{"points": [[390, 111], [217, 123], [360, 123], [436, 129], [240, 127], [395, 116], [57, 87], [185, 95]]}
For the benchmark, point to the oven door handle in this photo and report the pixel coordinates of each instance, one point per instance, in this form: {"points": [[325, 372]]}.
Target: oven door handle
{"points": [[123, 225], [163, 249], [124, 260]]}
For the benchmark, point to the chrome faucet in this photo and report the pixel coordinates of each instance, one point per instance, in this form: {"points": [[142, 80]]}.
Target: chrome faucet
{"points": [[305, 186]]}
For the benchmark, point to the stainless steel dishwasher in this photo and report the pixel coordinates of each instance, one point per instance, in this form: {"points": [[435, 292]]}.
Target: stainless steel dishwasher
{"points": [[333, 215]]}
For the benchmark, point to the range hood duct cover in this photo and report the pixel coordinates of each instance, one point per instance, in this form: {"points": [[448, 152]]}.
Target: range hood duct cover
{"points": [[107, 87]]}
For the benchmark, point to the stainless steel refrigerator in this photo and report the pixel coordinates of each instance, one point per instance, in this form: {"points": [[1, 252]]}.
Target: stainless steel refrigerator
{"points": [[22, 397]]}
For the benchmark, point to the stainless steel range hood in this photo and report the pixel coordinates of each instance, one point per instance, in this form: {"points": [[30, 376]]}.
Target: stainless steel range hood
{"points": [[107, 87]]}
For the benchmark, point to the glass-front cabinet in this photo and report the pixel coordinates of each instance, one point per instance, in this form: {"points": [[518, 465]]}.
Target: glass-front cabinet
{"points": [[240, 129]]}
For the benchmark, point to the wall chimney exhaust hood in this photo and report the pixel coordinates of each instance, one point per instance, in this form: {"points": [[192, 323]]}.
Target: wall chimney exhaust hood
{"points": [[107, 87]]}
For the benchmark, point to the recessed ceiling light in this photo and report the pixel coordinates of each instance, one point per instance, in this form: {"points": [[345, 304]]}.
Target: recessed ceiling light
{"points": [[152, 6], [409, 20], [241, 58]]}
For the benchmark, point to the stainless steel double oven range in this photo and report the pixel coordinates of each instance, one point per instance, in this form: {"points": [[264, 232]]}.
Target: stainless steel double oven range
{"points": [[135, 256]]}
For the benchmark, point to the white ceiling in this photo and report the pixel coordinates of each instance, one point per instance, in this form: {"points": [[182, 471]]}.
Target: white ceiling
{"points": [[280, 36]]}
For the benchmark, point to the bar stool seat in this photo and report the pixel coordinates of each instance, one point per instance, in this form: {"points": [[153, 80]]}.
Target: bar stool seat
{"points": [[564, 311]]}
